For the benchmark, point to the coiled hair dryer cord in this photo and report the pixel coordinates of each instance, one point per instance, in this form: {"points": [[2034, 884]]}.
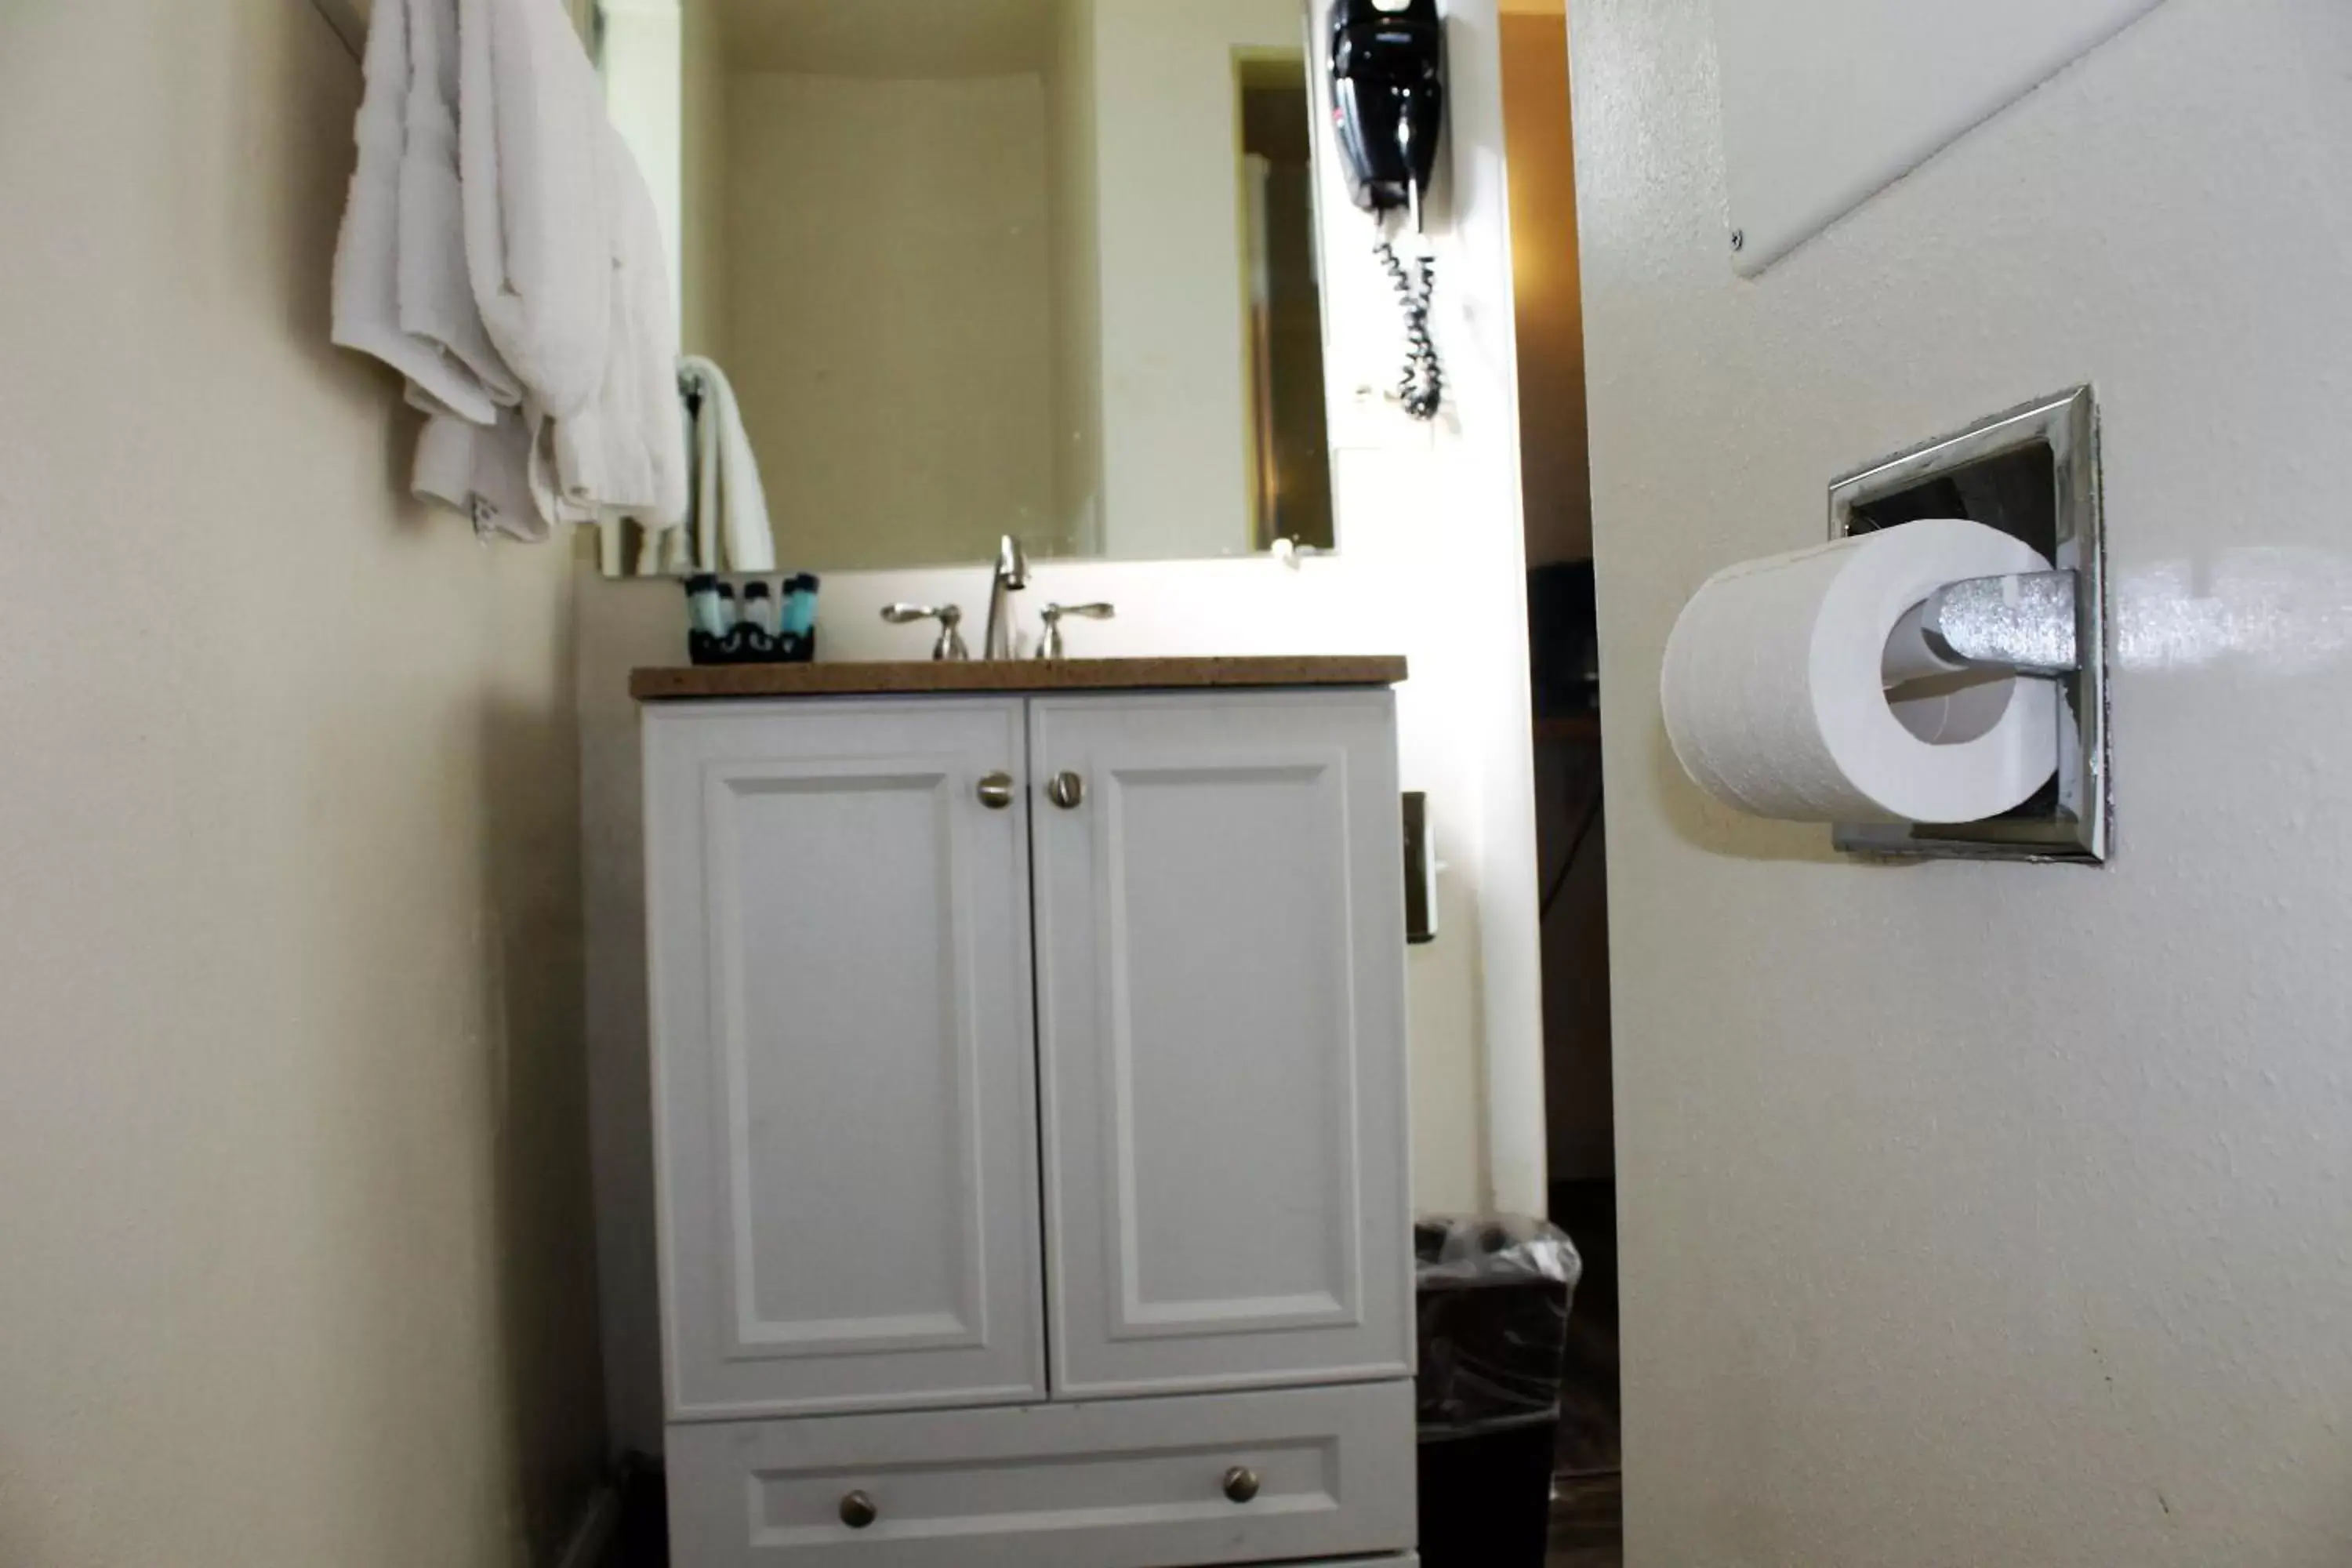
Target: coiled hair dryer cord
{"points": [[1422, 388]]}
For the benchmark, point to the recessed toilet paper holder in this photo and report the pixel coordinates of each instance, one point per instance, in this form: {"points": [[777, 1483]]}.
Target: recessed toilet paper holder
{"points": [[2033, 473], [2022, 624]]}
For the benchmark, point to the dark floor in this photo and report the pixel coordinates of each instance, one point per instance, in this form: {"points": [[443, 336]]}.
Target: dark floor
{"points": [[1588, 1523]]}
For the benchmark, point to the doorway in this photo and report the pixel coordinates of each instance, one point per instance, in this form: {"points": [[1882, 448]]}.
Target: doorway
{"points": [[1587, 1511]]}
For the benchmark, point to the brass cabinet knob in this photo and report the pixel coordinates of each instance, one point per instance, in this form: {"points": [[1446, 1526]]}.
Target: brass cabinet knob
{"points": [[857, 1511], [1241, 1484], [1068, 791], [996, 792]]}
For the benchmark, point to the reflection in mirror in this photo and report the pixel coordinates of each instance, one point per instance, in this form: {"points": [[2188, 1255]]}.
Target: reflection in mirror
{"points": [[1291, 440], [1045, 268]]}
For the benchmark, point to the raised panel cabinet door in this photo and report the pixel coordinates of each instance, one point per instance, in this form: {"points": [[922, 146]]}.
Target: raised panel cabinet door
{"points": [[1221, 1032], [844, 1066]]}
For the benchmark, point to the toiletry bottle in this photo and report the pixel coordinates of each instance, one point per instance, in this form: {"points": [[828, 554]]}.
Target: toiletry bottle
{"points": [[703, 594], [760, 611], [728, 619], [801, 618]]}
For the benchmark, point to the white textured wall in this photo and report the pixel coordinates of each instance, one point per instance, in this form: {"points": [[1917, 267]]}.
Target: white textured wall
{"points": [[295, 1256], [1996, 1214], [1431, 564]]}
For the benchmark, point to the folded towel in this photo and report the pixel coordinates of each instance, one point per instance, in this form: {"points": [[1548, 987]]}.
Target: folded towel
{"points": [[480, 472], [662, 551], [533, 141], [436, 292], [367, 284], [625, 455], [730, 504]]}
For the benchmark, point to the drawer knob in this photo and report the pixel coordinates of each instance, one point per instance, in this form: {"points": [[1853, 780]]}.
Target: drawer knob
{"points": [[996, 792], [1068, 791], [857, 1511], [1241, 1484]]}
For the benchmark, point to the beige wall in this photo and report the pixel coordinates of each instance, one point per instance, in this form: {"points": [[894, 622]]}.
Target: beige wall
{"points": [[1994, 1214], [889, 283], [294, 1244]]}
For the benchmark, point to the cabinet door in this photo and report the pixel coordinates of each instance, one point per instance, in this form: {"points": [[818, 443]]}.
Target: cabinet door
{"points": [[1220, 950], [843, 1056]]}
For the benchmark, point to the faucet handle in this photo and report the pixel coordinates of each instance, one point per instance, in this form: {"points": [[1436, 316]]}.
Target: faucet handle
{"points": [[1051, 646], [950, 646]]}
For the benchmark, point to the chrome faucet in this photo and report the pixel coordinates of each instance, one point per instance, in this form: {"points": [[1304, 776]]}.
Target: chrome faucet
{"points": [[1051, 645], [950, 646], [1011, 576]]}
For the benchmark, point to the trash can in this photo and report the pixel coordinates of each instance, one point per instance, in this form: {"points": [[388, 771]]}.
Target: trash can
{"points": [[1494, 1297]]}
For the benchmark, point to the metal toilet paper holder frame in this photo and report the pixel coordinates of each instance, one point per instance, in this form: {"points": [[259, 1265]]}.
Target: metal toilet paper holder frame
{"points": [[2045, 625]]}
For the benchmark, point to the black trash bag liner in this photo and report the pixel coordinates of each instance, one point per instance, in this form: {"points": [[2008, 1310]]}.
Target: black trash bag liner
{"points": [[1494, 1295]]}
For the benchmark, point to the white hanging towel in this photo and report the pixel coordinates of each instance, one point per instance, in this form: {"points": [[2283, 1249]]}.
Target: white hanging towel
{"points": [[667, 551], [533, 143], [730, 504], [624, 456], [481, 472], [437, 291], [367, 305], [501, 248]]}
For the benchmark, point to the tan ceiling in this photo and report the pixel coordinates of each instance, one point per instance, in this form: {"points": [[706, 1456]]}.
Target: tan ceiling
{"points": [[888, 37]]}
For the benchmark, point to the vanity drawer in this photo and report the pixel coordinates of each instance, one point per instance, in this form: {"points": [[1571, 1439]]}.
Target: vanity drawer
{"points": [[1325, 1474]]}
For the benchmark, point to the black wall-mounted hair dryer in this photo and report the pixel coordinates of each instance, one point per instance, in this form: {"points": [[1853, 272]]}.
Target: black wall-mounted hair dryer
{"points": [[1388, 101], [1388, 97]]}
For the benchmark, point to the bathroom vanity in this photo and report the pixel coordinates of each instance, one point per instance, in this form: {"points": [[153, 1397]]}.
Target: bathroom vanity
{"points": [[1030, 1066]]}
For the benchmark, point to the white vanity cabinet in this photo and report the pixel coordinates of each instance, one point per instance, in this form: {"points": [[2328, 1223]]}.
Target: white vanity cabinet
{"points": [[1031, 1119]]}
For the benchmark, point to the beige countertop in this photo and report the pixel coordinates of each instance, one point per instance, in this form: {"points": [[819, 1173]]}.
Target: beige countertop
{"points": [[694, 683]]}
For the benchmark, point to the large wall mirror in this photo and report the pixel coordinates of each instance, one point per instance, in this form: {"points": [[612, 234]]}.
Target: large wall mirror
{"points": [[1045, 268]]}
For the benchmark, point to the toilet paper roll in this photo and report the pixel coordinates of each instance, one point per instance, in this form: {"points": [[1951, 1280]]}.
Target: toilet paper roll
{"points": [[1775, 705]]}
